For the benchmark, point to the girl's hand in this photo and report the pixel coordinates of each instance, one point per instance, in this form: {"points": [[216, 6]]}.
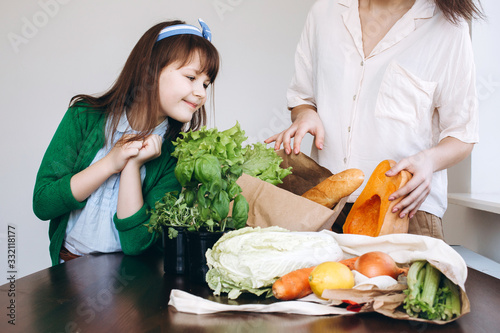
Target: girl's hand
{"points": [[84, 183], [421, 165], [305, 120], [150, 149], [130, 198], [120, 154]]}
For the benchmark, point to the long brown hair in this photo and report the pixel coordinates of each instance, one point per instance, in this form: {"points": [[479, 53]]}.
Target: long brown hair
{"points": [[137, 88], [453, 10]]}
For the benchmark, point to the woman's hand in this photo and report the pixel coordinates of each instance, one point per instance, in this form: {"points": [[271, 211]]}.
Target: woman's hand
{"points": [[305, 119], [418, 187], [422, 165]]}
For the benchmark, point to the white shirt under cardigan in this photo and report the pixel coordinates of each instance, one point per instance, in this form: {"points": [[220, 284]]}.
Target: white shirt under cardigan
{"points": [[415, 88], [91, 229]]}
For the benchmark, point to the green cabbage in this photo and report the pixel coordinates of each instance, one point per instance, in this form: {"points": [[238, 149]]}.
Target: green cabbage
{"points": [[251, 259]]}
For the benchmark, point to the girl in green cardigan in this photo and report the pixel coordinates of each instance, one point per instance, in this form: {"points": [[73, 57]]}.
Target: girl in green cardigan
{"points": [[109, 160]]}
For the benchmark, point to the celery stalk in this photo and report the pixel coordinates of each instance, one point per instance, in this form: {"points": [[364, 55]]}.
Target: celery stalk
{"points": [[454, 298], [415, 278], [415, 281], [430, 294], [427, 296], [430, 289]]}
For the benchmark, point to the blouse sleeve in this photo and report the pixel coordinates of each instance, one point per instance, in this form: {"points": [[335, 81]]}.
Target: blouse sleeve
{"points": [[457, 97], [301, 88]]}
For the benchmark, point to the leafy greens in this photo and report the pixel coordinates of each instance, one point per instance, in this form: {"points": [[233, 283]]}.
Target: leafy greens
{"points": [[209, 164]]}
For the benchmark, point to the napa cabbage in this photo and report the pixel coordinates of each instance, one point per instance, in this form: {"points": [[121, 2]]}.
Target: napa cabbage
{"points": [[252, 259]]}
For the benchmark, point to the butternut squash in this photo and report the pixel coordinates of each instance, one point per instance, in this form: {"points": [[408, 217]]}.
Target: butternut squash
{"points": [[372, 213]]}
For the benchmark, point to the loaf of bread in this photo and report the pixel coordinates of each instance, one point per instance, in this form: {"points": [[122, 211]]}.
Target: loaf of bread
{"points": [[330, 191]]}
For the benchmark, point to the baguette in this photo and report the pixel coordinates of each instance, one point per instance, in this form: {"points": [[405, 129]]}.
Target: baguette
{"points": [[330, 191]]}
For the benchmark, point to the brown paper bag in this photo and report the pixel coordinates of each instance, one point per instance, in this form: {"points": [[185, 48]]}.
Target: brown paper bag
{"points": [[404, 249], [282, 205], [306, 173], [387, 302]]}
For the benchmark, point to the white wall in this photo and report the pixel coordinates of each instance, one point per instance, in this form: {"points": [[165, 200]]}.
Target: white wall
{"points": [[53, 49], [479, 230], [486, 44]]}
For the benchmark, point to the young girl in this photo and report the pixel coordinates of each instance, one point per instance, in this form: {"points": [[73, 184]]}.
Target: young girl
{"points": [[109, 160]]}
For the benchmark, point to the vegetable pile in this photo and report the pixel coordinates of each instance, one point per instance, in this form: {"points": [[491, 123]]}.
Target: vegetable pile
{"points": [[209, 164], [291, 265], [430, 294], [297, 284], [252, 259]]}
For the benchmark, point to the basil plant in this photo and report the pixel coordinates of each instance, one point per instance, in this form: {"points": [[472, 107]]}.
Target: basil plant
{"points": [[209, 163]]}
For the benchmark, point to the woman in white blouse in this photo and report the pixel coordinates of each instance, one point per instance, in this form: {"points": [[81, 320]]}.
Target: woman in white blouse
{"points": [[388, 79]]}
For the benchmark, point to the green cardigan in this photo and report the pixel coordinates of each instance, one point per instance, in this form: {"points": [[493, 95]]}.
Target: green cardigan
{"points": [[77, 140]]}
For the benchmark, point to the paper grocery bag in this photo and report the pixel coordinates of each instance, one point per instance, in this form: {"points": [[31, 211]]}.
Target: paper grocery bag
{"points": [[306, 173], [282, 205], [404, 249]]}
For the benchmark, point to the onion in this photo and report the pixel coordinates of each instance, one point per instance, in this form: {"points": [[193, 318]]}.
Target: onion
{"points": [[377, 263]]}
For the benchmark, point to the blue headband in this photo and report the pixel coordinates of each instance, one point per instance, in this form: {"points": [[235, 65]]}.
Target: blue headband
{"points": [[183, 29]]}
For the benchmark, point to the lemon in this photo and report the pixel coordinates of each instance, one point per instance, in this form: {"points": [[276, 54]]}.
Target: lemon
{"points": [[330, 275]]}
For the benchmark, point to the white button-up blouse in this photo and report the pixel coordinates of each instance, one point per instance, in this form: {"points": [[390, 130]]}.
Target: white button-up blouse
{"points": [[415, 88]]}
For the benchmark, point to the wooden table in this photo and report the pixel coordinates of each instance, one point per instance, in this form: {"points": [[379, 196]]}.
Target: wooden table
{"points": [[117, 293]]}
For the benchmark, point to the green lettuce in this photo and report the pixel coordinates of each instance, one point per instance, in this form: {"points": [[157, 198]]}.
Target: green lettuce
{"points": [[256, 160], [263, 163], [252, 259]]}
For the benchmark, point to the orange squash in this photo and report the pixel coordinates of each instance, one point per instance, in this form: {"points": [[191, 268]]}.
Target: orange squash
{"points": [[372, 213]]}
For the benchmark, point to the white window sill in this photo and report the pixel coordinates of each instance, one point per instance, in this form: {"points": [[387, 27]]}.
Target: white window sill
{"points": [[486, 202], [478, 262]]}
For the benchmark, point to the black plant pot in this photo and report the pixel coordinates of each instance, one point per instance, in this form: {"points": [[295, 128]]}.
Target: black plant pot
{"points": [[174, 252], [198, 242]]}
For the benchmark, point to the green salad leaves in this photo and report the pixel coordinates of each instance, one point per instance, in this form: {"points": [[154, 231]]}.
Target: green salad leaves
{"points": [[255, 160], [209, 162]]}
